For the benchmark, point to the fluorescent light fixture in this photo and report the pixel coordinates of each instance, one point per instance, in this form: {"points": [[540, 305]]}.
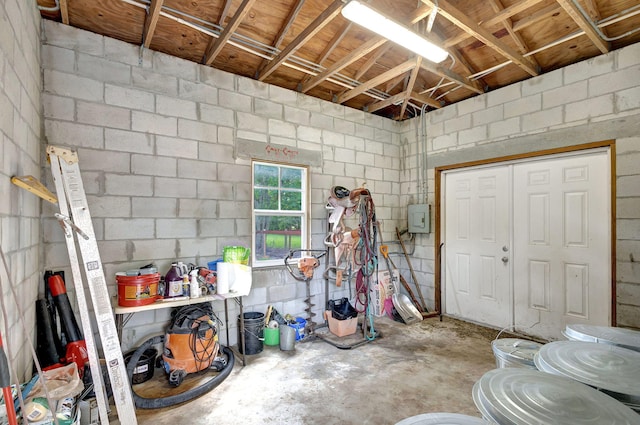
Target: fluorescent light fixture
{"points": [[369, 18]]}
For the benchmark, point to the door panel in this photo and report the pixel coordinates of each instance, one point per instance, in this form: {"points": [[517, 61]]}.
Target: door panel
{"points": [[561, 244], [556, 212], [477, 224]]}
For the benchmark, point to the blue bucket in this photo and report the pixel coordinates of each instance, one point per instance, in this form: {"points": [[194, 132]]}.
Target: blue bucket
{"points": [[213, 265], [299, 327]]}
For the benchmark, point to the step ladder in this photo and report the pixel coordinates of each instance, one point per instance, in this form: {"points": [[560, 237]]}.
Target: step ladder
{"points": [[75, 219]]}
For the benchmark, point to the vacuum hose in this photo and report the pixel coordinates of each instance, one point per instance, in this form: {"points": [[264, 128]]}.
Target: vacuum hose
{"points": [[156, 403]]}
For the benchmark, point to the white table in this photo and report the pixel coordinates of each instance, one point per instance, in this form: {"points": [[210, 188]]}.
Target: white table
{"points": [[124, 314]]}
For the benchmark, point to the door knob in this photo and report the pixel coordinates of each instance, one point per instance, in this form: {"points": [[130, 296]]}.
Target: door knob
{"points": [[505, 259]]}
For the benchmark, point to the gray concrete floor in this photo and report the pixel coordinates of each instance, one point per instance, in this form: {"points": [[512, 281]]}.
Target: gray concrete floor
{"points": [[426, 367]]}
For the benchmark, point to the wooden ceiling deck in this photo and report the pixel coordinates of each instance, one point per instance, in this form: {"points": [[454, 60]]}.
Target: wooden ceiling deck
{"points": [[307, 45]]}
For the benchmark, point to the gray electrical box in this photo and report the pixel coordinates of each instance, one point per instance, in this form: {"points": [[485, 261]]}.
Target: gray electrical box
{"points": [[419, 218]]}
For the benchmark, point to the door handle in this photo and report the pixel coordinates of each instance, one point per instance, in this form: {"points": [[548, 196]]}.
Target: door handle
{"points": [[505, 260]]}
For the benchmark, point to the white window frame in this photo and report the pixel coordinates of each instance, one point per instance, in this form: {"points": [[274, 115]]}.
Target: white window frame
{"points": [[303, 214]]}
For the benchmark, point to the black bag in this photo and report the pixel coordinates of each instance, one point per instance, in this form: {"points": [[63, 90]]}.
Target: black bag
{"points": [[341, 309]]}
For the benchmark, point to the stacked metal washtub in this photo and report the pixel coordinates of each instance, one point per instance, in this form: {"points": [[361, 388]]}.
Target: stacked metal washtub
{"points": [[515, 352], [577, 382]]}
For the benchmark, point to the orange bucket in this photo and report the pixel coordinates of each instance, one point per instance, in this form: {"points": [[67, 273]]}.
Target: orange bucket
{"points": [[135, 291]]}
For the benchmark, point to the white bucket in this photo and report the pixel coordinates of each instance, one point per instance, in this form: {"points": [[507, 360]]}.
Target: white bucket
{"points": [[514, 352]]}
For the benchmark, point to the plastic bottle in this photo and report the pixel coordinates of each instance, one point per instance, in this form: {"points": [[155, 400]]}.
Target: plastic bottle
{"points": [[186, 286], [173, 282], [194, 287]]}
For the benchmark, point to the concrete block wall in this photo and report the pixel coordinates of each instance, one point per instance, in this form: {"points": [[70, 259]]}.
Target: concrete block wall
{"points": [[157, 139], [20, 147], [590, 101]]}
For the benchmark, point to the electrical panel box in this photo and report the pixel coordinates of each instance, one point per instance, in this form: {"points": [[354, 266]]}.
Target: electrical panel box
{"points": [[419, 218]]}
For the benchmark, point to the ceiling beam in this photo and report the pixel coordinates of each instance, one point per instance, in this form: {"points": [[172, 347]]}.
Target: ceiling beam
{"points": [[373, 59], [216, 44], [293, 14], [496, 19], [376, 81], [224, 13], [425, 99], [291, 17], [497, 6], [342, 63], [334, 42], [323, 19], [392, 83], [64, 12], [410, 85], [585, 25], [150, 22], [461, 20], [447, 73], [538, 16], [373, 107]]}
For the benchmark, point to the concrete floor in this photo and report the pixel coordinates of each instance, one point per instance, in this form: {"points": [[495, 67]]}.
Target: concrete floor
{"points": [[426, 367]]}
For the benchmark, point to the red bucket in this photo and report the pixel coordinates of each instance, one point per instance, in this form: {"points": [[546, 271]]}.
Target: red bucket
{"points": [[135, 291]]}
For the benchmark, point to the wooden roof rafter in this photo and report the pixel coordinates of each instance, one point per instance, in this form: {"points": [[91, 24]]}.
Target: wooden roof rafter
{"points": [[347, 60], [282, 32], [374, 82], [459, 19], [412, 82], [320, 22], [497, 6], [64, 12], [216, 44], [585, 25], [495, 20], [224, 12], [150, 22]]}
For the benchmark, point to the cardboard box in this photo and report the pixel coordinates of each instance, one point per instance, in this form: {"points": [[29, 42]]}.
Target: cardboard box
{"points": [[341, 327]]}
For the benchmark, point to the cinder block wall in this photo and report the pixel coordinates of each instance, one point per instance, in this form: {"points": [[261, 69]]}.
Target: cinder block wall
{"points": [[20, 145], [590, 101], [158, 141]]}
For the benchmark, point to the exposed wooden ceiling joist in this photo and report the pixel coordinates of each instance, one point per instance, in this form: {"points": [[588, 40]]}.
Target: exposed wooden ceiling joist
{"points": [[216, 44], [323, 19], [373, 59], [497, 6], [224, 12], [392, 83], [496, 19], [459, 19], [584, 25], [376, 81], [446, 73], [536, 17], [376, 106], [356, 54], [337, 38], [425, 99], [150, 22], [64, 12], [410, 85]]}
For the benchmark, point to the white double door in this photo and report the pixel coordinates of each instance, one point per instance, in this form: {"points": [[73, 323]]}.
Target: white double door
{"points": [[527, 245]]}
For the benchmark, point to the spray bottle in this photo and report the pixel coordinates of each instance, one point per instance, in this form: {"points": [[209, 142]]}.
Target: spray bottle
{"points": [[194, 287]]}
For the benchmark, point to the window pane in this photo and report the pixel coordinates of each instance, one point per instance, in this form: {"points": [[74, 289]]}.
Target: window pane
{"points": [[276, 235], [291, 178], [291, 201], [265, 199], [265, 175]]}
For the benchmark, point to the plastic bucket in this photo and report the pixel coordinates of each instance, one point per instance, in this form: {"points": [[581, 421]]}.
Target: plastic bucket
{"points": [[134, 291], [271, 336], [145, 366], [253, 332], [299, 327], [287, 338]]}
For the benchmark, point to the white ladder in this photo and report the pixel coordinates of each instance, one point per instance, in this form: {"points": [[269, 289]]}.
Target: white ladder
{"points": [[75, 218]]}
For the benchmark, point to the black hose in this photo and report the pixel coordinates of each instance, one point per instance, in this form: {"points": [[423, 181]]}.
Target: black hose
{"points": [[156, 403]]}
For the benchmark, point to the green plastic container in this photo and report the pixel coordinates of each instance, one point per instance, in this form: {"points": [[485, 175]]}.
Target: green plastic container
{"points": [[236, 254], [271, 336]]}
